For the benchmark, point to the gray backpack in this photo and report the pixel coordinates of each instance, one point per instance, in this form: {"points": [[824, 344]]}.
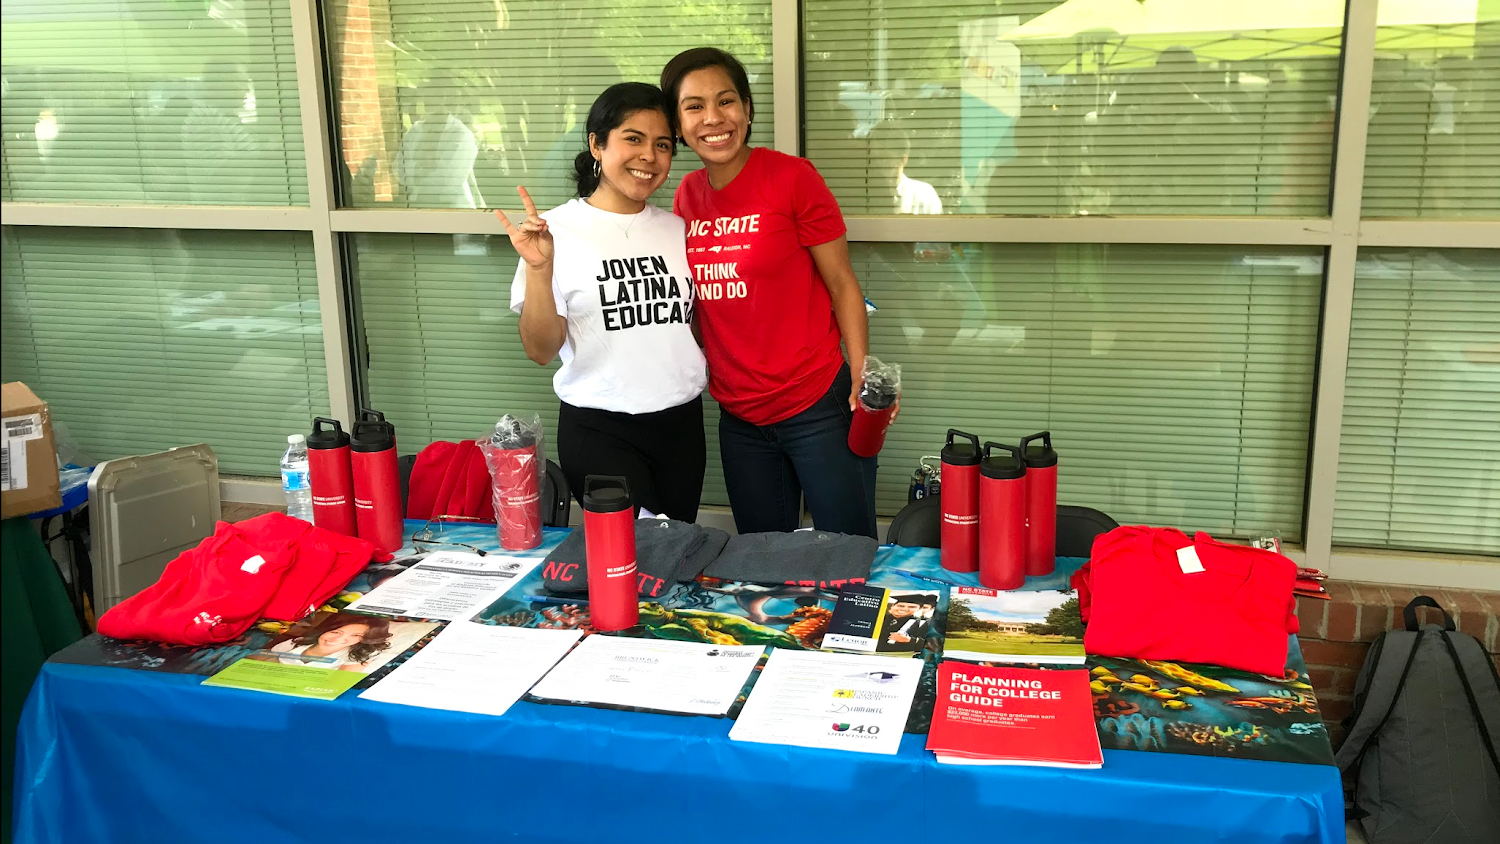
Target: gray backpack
{"points": [[1422, 741]]}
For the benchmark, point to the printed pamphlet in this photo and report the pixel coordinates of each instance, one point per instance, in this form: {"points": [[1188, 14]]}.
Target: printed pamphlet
{"points": [[1030, 627], [1014, 716], [873, 619]]}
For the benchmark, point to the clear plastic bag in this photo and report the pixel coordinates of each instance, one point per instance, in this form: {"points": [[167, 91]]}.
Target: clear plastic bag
{"points": [[880, 384], [516, 454]]}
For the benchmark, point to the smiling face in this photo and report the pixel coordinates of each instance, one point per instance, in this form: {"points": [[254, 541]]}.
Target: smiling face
{"points": [[904, 609], [342, 638], [634, 161], [714, 117]]}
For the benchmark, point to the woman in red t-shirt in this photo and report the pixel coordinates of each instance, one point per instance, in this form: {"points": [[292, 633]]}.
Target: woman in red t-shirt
{"points": [[775, 296]]}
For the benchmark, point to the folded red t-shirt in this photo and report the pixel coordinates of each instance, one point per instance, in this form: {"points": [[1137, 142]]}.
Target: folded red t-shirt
{"points": [[1144, 595], [208, 594], [272, 566], [323, 563]]}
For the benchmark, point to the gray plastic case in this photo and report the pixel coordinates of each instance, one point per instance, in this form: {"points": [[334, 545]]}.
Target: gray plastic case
{"points": [[143, 512]]}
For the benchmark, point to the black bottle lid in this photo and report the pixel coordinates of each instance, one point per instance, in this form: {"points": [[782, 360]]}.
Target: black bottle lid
{"points": [[1039, 456], [372, 433], [510, 433], [963, 453], [1006, 467], [606, 494], [327, 437]]}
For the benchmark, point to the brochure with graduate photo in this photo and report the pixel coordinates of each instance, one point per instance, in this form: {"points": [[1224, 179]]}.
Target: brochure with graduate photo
{"points": [[873, 619]]}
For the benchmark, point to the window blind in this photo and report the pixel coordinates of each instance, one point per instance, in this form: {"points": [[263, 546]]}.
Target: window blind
{"points": [[1433, 148], [444, 356], [451, 104], [142, 340], [151, 101], [1079, 107], [1176, 381], [1419, 456]]}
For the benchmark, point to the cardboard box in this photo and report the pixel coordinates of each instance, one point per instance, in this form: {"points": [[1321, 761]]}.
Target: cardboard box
{"points": [[28, 474]]}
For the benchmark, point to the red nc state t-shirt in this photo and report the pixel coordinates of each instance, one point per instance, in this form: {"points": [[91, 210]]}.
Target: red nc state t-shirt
{"points": [[768, 327], [1144, 597]]}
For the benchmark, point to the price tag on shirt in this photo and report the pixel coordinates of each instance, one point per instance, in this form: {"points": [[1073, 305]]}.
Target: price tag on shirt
{"points": [[1187, 559]]}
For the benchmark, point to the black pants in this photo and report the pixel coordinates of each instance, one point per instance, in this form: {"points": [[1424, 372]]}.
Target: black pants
{"points": [[770, 469], [662, 454]]}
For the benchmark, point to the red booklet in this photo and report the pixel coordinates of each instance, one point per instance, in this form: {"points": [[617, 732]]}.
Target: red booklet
{"points": [[1014, 716]]}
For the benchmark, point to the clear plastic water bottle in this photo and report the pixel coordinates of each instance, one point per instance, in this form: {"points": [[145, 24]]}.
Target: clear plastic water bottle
{"points": [[294, 478]]}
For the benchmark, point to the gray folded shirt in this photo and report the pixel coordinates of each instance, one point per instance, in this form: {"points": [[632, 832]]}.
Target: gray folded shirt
{"points": [[804, 558], [666, 551]]}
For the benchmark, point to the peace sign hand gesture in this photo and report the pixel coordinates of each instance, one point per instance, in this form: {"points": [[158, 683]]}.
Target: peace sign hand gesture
{"points": [[532, 239]]}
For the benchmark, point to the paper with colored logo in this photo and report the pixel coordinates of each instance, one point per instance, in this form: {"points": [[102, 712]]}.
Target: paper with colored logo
{"points": [[841, 701]]}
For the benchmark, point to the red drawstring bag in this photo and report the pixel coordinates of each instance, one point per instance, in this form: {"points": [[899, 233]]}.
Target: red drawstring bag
{"points": [[450, 479]]}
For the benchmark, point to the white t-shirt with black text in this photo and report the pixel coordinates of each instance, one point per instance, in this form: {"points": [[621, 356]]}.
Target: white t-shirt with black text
{"points": [[623, 284]]}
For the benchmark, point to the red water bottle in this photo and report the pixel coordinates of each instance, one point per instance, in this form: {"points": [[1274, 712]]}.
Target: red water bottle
{"points": [[1002, 518], [332, 476], [874, 407], [515, 484], [609, 548], [959, 503], [1041, 504], [377, 481]]}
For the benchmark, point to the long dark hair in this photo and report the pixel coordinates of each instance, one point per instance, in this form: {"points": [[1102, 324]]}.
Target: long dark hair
{"points": [[699, 58], [376, 640], [613, 107]]}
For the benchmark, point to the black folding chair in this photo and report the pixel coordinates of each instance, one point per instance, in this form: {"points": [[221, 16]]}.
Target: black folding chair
{"points": [[557, 500], [1077, 527], [918, 525]]}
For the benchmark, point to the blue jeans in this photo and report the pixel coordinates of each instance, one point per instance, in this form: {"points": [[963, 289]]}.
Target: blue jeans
{"points": [[769, 468]]}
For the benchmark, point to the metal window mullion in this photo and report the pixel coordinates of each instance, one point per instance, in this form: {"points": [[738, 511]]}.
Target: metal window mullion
{"points": [[786, 74], [901, 229], [317, 142], [240, 217], [1356, 79], [1430, 234], [1160, 230]]}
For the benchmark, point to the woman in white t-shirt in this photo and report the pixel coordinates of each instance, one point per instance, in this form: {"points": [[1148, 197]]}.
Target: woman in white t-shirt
{"points": [[604, 284]]}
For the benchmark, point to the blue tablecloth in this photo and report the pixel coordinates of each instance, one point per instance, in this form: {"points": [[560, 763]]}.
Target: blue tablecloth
{"points": [[109, 754]]}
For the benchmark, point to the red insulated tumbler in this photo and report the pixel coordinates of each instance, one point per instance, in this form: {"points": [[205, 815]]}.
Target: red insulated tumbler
{"points": [[959, 503], [377, 481], [873, 410], [609, 548], [1041, 504], [515, 478], [1002, 518], [332, 476]]}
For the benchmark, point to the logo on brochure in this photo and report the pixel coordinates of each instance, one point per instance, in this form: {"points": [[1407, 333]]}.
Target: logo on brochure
{"points": [[839, 728], [845, 709], [876, 676], [843, 693]]}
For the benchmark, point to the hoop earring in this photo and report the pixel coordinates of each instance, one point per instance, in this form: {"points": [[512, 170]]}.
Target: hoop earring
{"points": [[597, 168]]}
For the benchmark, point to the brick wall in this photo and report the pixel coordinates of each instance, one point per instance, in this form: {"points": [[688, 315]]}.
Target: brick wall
{"points": [[1336, 634], [366, 97]]}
